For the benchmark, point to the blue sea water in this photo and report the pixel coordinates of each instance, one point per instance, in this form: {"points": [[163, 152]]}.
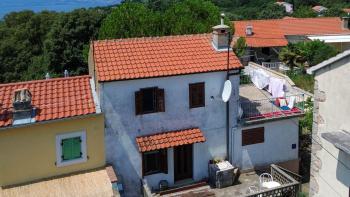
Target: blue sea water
{"points": [[7, 6]]}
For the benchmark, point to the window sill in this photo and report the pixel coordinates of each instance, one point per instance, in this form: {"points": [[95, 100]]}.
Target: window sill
{"points": [[71, 162]]}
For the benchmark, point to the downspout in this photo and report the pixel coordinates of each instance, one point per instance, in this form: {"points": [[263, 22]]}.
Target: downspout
{"points": [[228, 102]]}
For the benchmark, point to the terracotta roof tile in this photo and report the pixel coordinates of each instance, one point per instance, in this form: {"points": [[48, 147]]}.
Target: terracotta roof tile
{"points": [[136, 58], [273, 32], [169, 139], [53, 98]]}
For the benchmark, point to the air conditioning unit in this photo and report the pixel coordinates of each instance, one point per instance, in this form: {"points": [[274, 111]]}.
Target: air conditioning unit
{"points": [[222, 174]]}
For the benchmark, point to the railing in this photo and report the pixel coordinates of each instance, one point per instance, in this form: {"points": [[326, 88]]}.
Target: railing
{"points": [[272, 65], [269, 108], [289, 186]]}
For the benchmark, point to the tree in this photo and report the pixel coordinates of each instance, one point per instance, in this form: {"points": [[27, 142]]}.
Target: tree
{"points": [[334, 11], [292, 56], [271, 11], [304, 12], [131, 20], [240, 47]]}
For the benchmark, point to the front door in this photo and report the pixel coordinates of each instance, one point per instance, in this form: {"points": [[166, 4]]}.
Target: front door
{"points": [[183, 162]]}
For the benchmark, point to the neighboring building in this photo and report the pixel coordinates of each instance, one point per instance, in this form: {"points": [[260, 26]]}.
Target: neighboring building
{"points": [[346, 10], [51, 128], [287, 6], [330, 163], [265, 38], [164, 116], [319, 9]]}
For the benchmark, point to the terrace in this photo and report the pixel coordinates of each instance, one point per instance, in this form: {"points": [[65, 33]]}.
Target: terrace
{"points": [[289, 186], [258, 105]]}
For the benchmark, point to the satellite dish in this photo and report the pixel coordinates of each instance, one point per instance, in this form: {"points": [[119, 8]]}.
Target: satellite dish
{"points": [[226, 92]]}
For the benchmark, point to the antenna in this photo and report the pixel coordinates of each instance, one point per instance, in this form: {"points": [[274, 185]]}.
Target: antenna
{"points": [[226, 92]]}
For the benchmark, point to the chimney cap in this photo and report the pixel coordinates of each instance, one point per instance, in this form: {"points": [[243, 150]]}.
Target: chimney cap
{"points": [[22, 99]]}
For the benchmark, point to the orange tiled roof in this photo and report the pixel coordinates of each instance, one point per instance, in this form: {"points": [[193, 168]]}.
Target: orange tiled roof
{"points": [[268, 33], [136, 58], [53, 98], [169, 139]]}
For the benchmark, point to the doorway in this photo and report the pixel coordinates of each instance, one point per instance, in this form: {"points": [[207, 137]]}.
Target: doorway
{"points": [[183, 162]]}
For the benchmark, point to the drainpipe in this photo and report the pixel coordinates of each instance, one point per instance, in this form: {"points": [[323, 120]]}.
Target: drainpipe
{"points": [[228, 102]]}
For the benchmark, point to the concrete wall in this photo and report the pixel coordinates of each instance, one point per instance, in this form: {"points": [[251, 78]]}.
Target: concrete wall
{"points": [[123, 126], [279, 136], [29, 153], [341, 46], [330, 174]]}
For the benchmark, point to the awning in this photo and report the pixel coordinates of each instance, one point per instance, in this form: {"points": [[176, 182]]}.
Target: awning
{"points": [[169, 139], [340, 140], [331, 38]]}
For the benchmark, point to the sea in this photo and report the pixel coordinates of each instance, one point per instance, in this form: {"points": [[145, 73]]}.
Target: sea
{"points": [[7, 6]]}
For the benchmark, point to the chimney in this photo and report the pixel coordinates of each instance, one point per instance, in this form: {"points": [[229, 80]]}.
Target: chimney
{"points": [[66, 73], [47, 76], [345, 23], [22, 106], [220, 35], [249, 30]]}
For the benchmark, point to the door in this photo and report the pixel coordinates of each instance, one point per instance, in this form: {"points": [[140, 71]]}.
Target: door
{"points": [[183, 162]]}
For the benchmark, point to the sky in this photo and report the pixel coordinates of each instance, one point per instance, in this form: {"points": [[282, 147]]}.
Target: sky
{"points": [[7, 6]]}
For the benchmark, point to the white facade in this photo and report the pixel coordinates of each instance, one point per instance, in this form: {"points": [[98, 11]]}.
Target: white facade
{"points": [[330, 167], [281, 142], [117, 100]]}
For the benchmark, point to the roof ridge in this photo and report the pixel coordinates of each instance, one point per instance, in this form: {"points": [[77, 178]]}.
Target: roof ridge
{"points": [[151, 37], [281, 19], [44, 80]]}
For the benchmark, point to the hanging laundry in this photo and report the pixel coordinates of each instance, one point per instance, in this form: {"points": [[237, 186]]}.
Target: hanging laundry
{"points": [[276, 87], [259, 78]]}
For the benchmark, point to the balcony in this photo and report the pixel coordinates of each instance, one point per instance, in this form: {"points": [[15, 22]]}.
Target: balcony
{"points": [[258, 105]]}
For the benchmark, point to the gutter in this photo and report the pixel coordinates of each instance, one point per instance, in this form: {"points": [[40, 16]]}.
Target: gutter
{"points": [[51, 121]]}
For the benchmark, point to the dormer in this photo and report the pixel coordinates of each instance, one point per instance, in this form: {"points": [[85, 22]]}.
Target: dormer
{"points": [[221, 35]]}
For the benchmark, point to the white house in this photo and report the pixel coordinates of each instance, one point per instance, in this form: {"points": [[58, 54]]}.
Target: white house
{"points": [[330, 161], [287, 6], [165, 119]]}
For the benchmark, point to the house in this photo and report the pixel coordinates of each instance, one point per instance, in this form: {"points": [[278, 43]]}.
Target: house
{"points": [[330, 160], [287, 6], [319, 9], [265, 38], [52, 136], [165, 119], [346, 10]]}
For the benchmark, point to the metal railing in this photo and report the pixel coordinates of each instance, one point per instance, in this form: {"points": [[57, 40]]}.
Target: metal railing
{"points": [[269, 108], [272, 65], [289, 186]]}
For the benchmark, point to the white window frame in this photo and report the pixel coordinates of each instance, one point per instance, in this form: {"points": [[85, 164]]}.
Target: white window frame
{"points": [[60, 137]]}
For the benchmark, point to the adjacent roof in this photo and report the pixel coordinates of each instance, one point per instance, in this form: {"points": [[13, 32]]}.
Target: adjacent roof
{"points": [[169, 139], [340, 140], [273, 32], [95, 183], [328, 62], [137, 58], [319, 8], [53, 98]]}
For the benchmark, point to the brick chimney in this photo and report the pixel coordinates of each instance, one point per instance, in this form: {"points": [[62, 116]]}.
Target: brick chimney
{"points": [[345, 22], [220, 35], [23, 111]]}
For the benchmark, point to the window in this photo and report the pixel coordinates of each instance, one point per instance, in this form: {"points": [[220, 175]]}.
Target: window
{"points": [[155, 162], [197, 95], [71, 148], [253, 136], [149, 100]]}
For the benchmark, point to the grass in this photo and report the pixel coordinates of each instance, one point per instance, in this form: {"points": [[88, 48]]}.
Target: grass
{"points": [[302, 80]]}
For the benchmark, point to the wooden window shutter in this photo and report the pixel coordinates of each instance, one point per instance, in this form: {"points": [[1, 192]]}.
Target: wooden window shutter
{"points": [[253, 136], [138, 102], [160, 100], [164, 160]]}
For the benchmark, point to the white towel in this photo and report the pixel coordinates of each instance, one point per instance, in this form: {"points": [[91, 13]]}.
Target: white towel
{"points": [[259, 78], [276, 86], [291, 102]]}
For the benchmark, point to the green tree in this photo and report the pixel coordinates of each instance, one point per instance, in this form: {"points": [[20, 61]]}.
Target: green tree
{"points": [[131, 20], [292, 56], [316, 51], [304, 12], [271, 11], [334, 11], [240, 47]]}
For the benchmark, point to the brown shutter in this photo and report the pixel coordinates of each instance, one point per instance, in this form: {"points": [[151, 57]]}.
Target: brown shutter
{"points": [[201, 94], [164, 160], [138, 102], [160, 100], [253, 136]]}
